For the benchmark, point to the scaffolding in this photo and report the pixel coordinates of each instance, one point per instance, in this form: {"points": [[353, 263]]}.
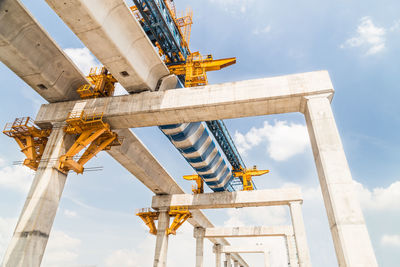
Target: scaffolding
{"points": [[31, 139]]}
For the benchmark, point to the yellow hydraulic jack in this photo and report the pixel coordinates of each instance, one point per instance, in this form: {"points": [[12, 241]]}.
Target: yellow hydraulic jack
{"points": [[180, 214], [246, 176], [30, 138], [93, 132]]}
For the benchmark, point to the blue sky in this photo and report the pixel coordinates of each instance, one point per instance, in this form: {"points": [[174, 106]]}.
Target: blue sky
{"points": [[358, 42]]}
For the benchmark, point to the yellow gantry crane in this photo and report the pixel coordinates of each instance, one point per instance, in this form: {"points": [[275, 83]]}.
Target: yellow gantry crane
{"points": [[31, 139], [247, 175], [102, 84], [180, 214]]}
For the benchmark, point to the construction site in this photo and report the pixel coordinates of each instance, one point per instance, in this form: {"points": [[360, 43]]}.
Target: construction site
{"points": [[150, 76]]}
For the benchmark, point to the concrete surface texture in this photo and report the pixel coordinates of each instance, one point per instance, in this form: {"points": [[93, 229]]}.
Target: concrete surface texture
{"points": [[282, 94], [115, 37], [237, 199], [350, 235], [300, 236], [34, 225], [28, 50], [160, 255], [248, 231]]}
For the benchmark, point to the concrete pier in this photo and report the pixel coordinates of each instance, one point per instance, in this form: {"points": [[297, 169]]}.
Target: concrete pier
{"points": [[350, 235], [34, 225], [228, 260], [248, 249], [198, 234], [217, 251], [300, 234], [160, 255]]}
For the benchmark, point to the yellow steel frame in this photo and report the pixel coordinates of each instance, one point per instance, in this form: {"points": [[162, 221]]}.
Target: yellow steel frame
{"points": [[196, 67], [149, 217], [93, 133], [199, 187], [247, 174], [29, 138], [102, 84], [180, 214]]}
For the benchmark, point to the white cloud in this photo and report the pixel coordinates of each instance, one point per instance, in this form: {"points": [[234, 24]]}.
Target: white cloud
{"points": [[83, 59], [18, 178], [124, 258], [379, 199], [7, 226], [62, 250], [233, 6], [283, 140], [258, 31], [391, 240], [70, 214], [368, 36]]}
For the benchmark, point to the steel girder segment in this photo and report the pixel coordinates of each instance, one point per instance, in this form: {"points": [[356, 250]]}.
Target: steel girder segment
{"points": [[28, 50], [111, 32]]}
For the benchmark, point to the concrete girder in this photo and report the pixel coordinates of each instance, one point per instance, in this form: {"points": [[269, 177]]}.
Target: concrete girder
{"points": [[274, 95], [244, 249], [28, 50], [111, 32], [237, 199], [248, 231]]}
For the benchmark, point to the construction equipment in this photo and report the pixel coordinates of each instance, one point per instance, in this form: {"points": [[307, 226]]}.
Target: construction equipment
{"points": [[93, 132], [102, 84], [180, 214], [199, 187], [246, 176], [31, 139]]}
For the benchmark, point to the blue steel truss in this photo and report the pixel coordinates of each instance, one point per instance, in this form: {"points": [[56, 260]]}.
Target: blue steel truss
{"points": [[160, 27], [221, 134]]}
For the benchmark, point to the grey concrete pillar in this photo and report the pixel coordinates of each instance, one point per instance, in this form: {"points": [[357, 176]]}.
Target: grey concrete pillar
{"points": [[198, 233], [267, 260], [228, 260], [300, 234], [34, 225], [217, 251], [292, 254], [160, 255], [235, 263], [350, 235]]}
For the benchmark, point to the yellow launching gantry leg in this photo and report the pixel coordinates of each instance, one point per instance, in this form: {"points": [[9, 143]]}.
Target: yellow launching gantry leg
{"points": [[196, 67], [246, 175], [93, 132], [180, 214], [31, 139], [199, 189]]}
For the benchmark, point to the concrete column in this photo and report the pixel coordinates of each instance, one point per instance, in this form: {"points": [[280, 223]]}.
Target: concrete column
{"points": [[198, 233], [160, 255], [228, 260], [292, 254], [34, 225], [300, 234], [235, 263], [217, 251], [267, 260], [350, 235]]}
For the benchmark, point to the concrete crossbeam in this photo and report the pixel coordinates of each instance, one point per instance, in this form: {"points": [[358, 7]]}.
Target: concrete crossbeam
{"points": [[274, 95], [28, 50], [248, 231], [243, 249], [111, 32], [237, 199]]}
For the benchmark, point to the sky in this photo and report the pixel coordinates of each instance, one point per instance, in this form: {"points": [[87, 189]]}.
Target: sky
{"points": [[358, 42]]}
